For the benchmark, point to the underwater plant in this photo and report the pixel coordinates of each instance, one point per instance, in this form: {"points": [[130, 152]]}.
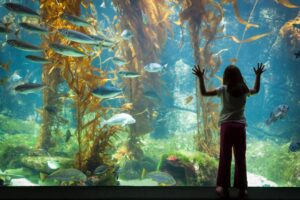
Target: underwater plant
{"points": [[204, 18], [148, 22], [77, 71]]}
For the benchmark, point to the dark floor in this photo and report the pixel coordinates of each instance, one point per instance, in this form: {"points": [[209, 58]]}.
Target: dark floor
{"points": [[139, 193]]}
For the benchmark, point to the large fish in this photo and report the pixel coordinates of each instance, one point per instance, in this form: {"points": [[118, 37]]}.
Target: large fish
{"points": [[107, 91], [34, 28], [77, 36], [68, 175], [20, 10], [75, 20], [119, 119], [18, 44], [66, 50], [278, 113], [37, 59], [27, 88]]}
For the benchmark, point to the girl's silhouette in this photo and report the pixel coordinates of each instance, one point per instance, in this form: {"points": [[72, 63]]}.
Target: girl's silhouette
{"points": [[233, 94]]}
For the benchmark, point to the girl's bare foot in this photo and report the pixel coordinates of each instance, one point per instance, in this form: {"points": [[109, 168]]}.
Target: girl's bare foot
{"points": [[223, 193]]}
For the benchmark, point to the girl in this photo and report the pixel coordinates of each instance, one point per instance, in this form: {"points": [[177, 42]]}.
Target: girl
{"points": [[233, 95]]}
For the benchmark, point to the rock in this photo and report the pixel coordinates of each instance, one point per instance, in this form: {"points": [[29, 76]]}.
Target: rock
{"points": [[39, 163], [21, 182], [259, 181]]}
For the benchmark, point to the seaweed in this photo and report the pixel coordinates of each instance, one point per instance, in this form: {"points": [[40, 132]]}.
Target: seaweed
{"points": [[204, 18], [79, 74], [143, 49]]}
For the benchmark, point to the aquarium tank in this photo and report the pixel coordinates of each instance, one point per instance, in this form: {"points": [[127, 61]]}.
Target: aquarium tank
{"points": [[101, 93]]}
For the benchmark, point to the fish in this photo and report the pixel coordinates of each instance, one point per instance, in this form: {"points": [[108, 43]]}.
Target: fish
{"points": [[102, 40], [155, 67], [68, 136], [128, 74], [294, 146], [34, 28], [278, 113], [5, 66], [152, 95], [51, 109], [122, 119], [52, 164], [66, 50], [233, 60], [75, 20], [145, 18], [102, 169], [15, 77], [27, 88], [119, 61], [127, 34], [297, 26], [38, 59], [103, 5], [68, 175], [77, 36], [188, 99], [127, 106], [297, 54], [172, 158], [21, 45], [21, 10], [107, 91], [162, 178]]}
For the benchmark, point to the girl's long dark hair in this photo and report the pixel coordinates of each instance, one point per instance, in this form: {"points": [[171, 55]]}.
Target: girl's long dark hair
{"points": [[234, 81]]}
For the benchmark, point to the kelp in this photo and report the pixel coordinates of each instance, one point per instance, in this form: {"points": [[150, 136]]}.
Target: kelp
{"points": [[290, 33], [204, 18], [143, 49], [286, 3], [93, 141]]}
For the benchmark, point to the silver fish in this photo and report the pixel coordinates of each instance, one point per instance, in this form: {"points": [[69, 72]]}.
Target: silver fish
{"points": [[27, 88], [119, 119], [37, 59], [66, 50], [126, 34], [18, 44], [20, 10], [77, 36], [119, 61], [154, 67], [34, 28], [103, 41], [75, 20], [129, 74]]}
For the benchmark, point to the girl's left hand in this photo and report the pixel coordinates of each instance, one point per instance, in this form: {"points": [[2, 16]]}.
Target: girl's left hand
{"points": [[198, 72]]}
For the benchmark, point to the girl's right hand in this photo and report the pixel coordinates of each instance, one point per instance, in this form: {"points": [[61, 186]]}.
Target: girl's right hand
{"points": [[260, 69], [198, 72]]}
